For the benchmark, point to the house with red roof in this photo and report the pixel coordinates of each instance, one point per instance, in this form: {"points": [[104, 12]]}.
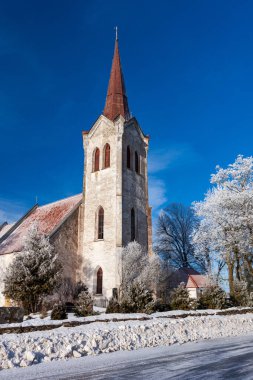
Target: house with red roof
{"points": [[193, 280]]}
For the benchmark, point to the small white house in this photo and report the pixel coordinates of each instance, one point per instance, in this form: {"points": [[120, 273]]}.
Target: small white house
{"points": [[194, 281]]}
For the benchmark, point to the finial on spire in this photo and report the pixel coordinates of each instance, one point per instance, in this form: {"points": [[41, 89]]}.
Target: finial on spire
{"points": [[116, 31]]}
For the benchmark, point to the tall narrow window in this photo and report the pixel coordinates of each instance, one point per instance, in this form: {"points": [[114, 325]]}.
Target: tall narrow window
{"points": [[100, 281], [137, 163], [128, 157], [132, 225], [107, 156], [96, 160], [101, 223]]}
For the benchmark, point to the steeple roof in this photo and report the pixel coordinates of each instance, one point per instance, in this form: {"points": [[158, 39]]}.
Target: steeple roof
{"points": [[116, 99]]}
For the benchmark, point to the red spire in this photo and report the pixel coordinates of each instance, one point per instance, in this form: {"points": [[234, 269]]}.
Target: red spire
{"points": [[116, 99]]}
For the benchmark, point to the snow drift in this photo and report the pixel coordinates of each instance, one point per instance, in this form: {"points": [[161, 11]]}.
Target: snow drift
{"points": [[27, 349]]}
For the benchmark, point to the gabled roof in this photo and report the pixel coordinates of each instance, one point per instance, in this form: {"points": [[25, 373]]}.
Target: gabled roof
{"points": [[49, 218], [191, 278]]}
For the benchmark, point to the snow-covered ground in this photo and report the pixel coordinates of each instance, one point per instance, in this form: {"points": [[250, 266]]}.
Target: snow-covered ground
{"points": [[226, 358], [26, 349]]}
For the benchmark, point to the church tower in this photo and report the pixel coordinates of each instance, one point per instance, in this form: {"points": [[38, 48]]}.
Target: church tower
{"points": [[115, 190]]}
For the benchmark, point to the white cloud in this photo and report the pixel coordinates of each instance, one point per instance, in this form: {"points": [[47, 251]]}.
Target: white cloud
{"points": [[162, 159], [10, 211], [157, 192]]}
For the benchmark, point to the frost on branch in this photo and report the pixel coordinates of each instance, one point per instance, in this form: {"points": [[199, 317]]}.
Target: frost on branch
{"points": [[138, 267], [225, 231], [34, 273]]}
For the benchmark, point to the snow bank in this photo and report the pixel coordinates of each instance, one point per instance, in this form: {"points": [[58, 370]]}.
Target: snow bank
{"points": [[27, 349]]}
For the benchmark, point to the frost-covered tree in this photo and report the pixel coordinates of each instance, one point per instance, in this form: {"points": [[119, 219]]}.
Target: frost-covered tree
{"points": [[241, 295], [212, 297], [225, 230], [34, 273], [138, 267], [173, 237], [84, 304], [180, 299]]}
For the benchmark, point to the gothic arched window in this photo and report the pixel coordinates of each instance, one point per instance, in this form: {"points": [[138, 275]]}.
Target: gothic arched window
{"points": [[132, 224], [100, 221], [137, 169], [100, 281], [128, 157], [107, 160], [96, 160]]}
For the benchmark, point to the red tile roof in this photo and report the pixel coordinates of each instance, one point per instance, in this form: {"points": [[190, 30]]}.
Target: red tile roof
{"points": [[191, 278], [48, 217]]}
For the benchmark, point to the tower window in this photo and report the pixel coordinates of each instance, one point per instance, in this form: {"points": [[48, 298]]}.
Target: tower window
{"points": [[100, 281], [128, 157], [107, 150], [100, 220], [137, 168], [96, 160], [132, 224]]}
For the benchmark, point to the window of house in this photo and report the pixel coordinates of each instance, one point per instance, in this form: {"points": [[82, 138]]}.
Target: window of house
{"points": [[128, 157], [137, 169], [132, 224], [96, 160], [107, 156], [100, 223], [100, 281]]}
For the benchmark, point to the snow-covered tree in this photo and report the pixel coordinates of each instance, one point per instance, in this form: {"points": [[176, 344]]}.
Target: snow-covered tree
{"points": [[213, 297], [138, 267], [34, 273], [225, 230], [180, 299], [84, 304]]}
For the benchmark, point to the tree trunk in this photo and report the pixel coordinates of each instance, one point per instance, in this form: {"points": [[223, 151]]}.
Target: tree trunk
{"points": [[231, 278]]}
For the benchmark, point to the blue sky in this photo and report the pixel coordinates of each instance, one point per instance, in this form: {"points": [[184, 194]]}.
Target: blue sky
{"points": [[188, 67]]}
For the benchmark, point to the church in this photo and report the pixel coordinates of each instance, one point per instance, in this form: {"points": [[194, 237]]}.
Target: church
{"points": [[89, 230]]}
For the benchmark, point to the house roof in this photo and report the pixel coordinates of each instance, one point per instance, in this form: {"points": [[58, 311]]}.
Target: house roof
{"points": [[48, 217], [191, 278]]}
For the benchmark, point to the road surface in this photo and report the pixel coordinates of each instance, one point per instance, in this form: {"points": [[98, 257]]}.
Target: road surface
{"points": [[229, 358]]}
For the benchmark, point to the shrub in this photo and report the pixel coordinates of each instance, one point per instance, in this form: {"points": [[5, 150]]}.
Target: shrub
{"points": [[113, 306], [79, 288], [137, 299], [180, 299], [84, 304], [59, 312], [213, 297], [241, 296]]}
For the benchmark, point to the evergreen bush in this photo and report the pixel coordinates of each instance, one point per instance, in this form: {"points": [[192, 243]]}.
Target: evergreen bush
{"points": [[84, 304], [213, 297], [179, 298], [58, 312]]}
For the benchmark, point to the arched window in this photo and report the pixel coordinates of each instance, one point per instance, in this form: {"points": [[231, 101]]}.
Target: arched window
{"points": [[128, 157], [107, 156], [137, 163], [100, 221], [96, 160], [100, 281], [132, 225]]}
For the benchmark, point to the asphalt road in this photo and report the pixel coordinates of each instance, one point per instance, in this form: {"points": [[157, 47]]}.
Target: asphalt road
{"points": [[230, 358]]}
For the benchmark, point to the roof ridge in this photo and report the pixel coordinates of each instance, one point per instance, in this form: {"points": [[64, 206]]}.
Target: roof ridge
{"points": [[60, 200]]}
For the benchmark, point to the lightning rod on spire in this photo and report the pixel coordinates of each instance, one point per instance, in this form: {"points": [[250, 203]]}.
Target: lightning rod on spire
{"points": [[116, 31]]}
